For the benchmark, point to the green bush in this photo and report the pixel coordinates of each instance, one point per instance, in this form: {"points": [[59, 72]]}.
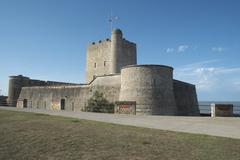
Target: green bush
{"points": [[97, 103]]}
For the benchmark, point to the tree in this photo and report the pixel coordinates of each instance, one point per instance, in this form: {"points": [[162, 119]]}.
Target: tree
{"points": [[97, 103]]}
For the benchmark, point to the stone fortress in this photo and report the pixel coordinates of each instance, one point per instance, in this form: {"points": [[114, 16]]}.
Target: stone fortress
{"points": [[111, 68]]}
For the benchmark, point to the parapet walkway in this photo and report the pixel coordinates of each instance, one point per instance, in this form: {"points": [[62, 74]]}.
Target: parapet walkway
{"points": [[218, 126]]}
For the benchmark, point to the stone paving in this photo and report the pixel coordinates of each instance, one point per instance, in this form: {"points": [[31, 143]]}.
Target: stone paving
{"points": [[217, 126]]}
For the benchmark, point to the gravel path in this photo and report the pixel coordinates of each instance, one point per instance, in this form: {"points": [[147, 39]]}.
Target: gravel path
{"points": [[218, 126]]}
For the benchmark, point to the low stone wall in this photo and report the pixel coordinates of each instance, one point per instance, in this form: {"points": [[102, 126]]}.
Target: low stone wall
{"points": [[74, 97], [3, 100], [70, 98], [16, 83], [221, 110], [125, 107]]}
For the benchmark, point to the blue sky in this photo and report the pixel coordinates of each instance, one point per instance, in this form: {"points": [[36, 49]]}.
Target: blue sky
{"points": [[47, 39]]}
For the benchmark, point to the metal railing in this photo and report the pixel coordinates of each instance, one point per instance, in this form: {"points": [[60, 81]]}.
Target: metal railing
{"points": [[205, 109]]}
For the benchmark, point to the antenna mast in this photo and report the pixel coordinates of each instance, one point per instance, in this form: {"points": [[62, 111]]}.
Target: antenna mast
{"points": [[111, 19]]}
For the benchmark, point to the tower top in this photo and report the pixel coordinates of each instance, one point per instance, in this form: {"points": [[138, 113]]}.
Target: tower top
{"points": [[116, 31]]}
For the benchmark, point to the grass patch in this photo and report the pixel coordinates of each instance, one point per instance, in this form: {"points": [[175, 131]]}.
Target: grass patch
{"points": [[39, 136], [75, 120], [40, 114]]}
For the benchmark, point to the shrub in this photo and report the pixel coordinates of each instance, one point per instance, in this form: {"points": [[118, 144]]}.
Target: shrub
{"points": [[97, 103]]}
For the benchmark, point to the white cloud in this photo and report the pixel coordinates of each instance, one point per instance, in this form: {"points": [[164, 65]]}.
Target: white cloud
{"points": [[179, 49], [217, 49], [208, 78], [170, 50], [228, 70], [182, 48], [202, 77], [202, 63]]}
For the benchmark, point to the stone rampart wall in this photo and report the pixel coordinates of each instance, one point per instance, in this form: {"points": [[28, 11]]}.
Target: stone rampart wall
{"points": [[75, 97], [186, 98]]}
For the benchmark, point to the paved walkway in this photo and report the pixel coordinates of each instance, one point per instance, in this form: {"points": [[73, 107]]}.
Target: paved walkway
{"points": [[218, 126]]}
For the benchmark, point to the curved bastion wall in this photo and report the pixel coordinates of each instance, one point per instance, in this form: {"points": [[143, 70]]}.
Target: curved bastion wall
{"points": [[151, 87], [14, 88]]}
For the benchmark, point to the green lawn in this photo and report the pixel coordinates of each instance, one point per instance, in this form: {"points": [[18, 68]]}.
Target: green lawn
{"points": [[39, 136]]}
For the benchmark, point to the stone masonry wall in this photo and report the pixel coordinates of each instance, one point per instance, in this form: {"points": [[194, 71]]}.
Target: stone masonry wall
{"points": [[98, 59], [151, 87], [186, 98], [109, 56], [17, 82], [75, 97]]}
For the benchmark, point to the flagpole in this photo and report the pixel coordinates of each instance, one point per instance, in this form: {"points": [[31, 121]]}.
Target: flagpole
{"points": [[111, 20]]}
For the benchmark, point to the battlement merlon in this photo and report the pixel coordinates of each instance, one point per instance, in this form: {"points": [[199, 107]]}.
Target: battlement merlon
{"points": [[107, 40]]}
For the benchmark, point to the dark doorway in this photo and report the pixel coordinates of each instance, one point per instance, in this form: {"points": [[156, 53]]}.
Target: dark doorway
{"points": [[72, 106], [25, 103], [62, 104]]}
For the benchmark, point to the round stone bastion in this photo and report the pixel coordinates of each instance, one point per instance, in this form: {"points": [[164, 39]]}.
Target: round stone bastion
{"points": [[151, 87], [15, 85]]}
